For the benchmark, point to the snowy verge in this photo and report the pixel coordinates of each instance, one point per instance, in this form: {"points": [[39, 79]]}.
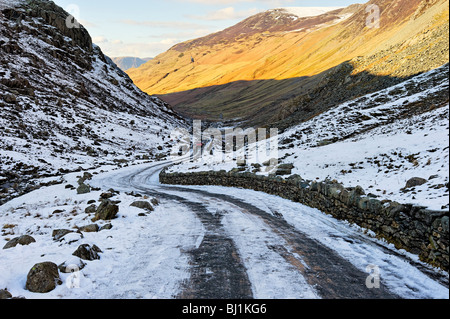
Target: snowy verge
{"points": [[142, 255]]}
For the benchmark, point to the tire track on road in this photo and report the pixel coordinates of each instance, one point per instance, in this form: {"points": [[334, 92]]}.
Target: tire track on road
{"points": [[217, 270]]}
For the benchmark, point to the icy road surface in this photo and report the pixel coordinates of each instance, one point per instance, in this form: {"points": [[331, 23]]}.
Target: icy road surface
{"points": [[246, 244]]}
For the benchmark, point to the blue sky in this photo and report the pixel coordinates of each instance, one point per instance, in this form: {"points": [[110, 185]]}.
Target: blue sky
{"points": [[147, 28]]}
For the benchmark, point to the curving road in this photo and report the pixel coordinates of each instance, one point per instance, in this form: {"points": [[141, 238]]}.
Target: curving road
{"points": [[259, 246]]}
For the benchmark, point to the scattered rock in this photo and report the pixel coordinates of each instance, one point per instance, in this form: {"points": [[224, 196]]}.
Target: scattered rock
{"points": [[87, 252], [83, 189], [5, 294], [415, 181], [143, 205], [87, 176], [60, 233], [72, 237], [91, 209], [93, 228], [10, 98], [113, 191], [155, 201], [106, 211], [106, 227], [22, 240], [286, 166], [106, 195], [43, 278], [71, 265]]}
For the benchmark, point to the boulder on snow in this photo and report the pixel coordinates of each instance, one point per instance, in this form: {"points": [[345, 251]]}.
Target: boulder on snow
{"points": [[22, 240], [5, 294], [83, 189], [106, 227], [415, 181], [106, 211], [143, 205], [58, 234], [71, 237], [92, 228], [91, 209], [71, 265], [10, 98], [43, 278], [87, 252]]}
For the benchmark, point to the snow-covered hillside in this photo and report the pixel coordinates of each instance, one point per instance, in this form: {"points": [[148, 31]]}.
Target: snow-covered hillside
{"points": [[378, 141], [64, 104]]}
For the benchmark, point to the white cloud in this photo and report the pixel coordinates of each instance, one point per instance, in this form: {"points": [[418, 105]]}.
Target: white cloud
{"points": [[99, 39], [272, 3], [170, 41], [164, 24], [229, 13], [229, 2], [88, 24], [182, 35], [136, 49]]}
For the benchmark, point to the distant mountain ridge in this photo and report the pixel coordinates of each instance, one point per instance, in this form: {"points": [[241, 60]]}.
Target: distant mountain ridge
{"points": [[274, 20], [126, 63], [273, 69]]}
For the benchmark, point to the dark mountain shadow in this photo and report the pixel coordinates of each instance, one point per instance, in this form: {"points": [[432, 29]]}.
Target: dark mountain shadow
{"points": [[278, 103]]}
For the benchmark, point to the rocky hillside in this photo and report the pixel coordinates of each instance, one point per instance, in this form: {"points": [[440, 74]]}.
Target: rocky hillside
{"points": [[64, 105], [219, 57], [280, 77], [275, 20], [393, 143]]}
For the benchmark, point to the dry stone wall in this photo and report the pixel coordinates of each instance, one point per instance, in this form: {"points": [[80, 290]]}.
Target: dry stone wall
{"points": [[417, 230]]}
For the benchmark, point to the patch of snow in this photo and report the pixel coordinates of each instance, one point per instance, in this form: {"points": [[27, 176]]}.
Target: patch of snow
{"points": [[303, 12]]}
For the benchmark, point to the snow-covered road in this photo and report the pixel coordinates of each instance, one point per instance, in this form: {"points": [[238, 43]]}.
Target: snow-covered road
{"points": [[203, 242], [235, 243]]}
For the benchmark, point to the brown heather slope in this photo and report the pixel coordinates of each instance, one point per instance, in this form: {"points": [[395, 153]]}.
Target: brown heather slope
{"points": [[269, 75]]}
